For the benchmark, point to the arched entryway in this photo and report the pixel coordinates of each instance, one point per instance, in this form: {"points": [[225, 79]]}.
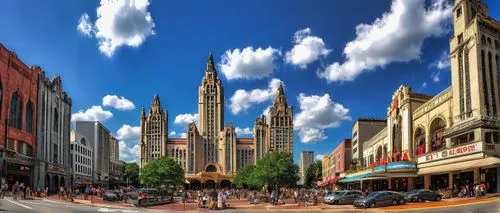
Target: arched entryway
{"points": [[62, 182], [55, 184], [225, 184], [419, 141], [379, 153], [211, 168], [194, 184], [437, 134], [210, 184], [47, 181]]}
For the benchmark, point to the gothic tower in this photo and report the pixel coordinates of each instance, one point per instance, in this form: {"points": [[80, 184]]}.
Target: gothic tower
{"points": [[260, 138], [210, 111], [154, 128], [281, 124]]}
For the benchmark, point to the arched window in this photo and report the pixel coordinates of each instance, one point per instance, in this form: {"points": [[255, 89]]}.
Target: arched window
{"points": [[437, 130], [83, 141], [15, 115], [379, 153], [419, 141], [489, 42], [483, 40], [56, 120], [29, 117]]}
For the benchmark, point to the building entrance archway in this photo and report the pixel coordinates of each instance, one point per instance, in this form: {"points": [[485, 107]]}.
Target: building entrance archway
{"points": [[225, 183], [210, 184]]}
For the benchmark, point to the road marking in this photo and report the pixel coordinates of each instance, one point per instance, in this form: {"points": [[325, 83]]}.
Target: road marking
{"points": [[52, 201], [14, 202], [107, 210]]}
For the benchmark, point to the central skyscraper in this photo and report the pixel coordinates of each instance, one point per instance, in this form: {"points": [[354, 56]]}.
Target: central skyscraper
{"points": [[210, 111]]}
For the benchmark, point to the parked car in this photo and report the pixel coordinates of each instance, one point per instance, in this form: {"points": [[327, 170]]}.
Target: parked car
{"points": [[148, 195], [110, 195], [381, 198], [342, 197], [420, 195]]}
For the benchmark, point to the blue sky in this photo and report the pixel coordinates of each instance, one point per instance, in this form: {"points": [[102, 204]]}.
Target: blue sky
{"points": [[333, 71]]}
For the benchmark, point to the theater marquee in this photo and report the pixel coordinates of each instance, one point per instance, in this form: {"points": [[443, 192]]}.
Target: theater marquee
{"points": [[452, 152]]}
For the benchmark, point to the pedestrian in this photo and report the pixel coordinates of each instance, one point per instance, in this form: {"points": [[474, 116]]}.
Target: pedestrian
{"points": [[295, 195], [15, 188]]}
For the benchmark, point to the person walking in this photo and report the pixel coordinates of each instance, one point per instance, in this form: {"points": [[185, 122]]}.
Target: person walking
{"points": [[15, 188]]}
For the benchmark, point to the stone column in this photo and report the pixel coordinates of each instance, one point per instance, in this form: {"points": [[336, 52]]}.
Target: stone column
{"points": [[450, 180], [477, 176], [427, 181], [411, 183]]}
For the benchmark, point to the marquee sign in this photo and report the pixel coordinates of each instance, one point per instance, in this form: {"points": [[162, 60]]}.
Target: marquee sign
{"points": [[401, 166], [452, 152]]}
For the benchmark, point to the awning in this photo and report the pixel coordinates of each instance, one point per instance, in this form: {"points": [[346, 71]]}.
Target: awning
{"points": [[354, 178], [333, 180], [490, 161]]}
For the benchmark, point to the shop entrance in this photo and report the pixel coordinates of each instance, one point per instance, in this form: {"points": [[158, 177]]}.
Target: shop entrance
{"points": [[439, 182], [463, 179], [489, 178], [379, 185], [399, 184], [419, 182]]}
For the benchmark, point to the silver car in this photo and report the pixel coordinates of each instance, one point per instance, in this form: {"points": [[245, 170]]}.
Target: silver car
{"points": [[342, 197]]}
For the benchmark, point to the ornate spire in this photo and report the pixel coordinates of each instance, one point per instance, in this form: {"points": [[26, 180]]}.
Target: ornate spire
{"points": [[143, 112], [156, 100], [210, 71], [280, 97]]}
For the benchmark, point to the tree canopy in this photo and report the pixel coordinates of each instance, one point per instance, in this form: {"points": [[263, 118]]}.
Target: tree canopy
{"points": [[243, 176], [313, 173], [131, 173], [162, 172], [276, 169]]}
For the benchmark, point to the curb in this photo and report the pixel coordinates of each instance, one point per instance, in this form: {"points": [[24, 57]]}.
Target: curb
{"points": [[487, 200]]}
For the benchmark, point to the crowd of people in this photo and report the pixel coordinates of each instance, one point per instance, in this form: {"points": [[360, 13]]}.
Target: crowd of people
{"points": [[18, 191], [469, 190]]}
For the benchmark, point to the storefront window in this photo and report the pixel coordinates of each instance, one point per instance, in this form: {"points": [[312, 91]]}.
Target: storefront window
{"points": [[461, 139], [419, 182], [489, 179], [399, 184], [439, 182]]}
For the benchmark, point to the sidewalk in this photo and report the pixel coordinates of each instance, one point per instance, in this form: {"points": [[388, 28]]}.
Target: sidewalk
{"points": [[289, 206]]}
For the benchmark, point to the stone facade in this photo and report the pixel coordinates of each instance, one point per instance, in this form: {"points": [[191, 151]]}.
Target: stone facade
{"points": [[306, 159], [362, 130], [211, 153], [53, 167]]}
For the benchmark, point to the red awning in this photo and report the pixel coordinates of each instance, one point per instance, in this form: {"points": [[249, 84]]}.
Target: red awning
{"points": [[333, 180]]}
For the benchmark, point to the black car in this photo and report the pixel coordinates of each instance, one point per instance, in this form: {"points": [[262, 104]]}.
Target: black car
{"points": [[381, 198], [420, 195]]}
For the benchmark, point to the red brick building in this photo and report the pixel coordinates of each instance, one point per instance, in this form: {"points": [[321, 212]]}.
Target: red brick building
{"points": [[336, 163], [18, 104]]}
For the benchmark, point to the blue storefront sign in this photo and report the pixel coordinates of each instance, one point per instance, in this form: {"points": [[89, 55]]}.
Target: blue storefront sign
{"points": [[401, 166], [378, 169]]}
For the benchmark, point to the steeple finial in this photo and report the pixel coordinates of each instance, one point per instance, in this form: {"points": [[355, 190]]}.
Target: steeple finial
{"points": [[156, 100], [143, 112], [210, 64]]}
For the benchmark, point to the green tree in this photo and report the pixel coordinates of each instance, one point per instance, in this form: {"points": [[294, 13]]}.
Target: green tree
{"points": [[243, 176], [275, 169], [131, 173], [313, 173], [163, 172]]}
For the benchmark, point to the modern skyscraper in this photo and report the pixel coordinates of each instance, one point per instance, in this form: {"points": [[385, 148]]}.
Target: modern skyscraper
{"points": [[306, 159]]}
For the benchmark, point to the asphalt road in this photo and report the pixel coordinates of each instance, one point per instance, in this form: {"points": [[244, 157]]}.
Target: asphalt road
{"points": [[8, 205]]}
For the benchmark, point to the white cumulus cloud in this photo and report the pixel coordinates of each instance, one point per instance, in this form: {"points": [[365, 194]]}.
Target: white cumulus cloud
{"points": [[120, 23], [84, 25], [316, 114], [307, 49], [120, 103], [243, 99], [127, 133], [183, 135], [128, 153], [243, 131], [94, 113], [185, 119], [172, 133], [395, 37], [249, 63], [443, 62], [319, 157]]}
